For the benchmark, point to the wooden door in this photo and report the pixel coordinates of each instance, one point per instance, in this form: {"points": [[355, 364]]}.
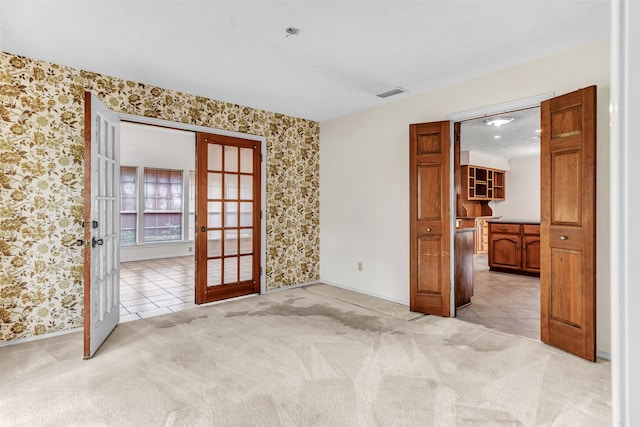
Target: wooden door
{"points": [[101, 223], [228, 217], [430, 282], [568, 182], [504, 251]]}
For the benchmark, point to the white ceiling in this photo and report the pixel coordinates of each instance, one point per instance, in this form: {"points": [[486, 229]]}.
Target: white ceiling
{"points": [[516, 139], [346, 51]]}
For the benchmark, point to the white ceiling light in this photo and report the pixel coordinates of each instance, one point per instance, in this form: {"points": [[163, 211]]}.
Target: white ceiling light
{"points": [[498, 121], [497, 137]]}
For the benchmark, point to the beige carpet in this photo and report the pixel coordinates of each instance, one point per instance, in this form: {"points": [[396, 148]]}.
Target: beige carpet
{"points": [[301, 357]]}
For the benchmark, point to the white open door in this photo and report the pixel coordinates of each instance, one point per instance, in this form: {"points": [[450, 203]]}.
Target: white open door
{"points": [[101, 223]]}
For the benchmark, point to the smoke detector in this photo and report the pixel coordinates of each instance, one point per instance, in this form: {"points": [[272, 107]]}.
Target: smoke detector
{"points": [[292, 31]]}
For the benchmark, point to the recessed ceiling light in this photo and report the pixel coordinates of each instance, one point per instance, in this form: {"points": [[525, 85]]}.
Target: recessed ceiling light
{"points": [[497, 137], [498, 121]]}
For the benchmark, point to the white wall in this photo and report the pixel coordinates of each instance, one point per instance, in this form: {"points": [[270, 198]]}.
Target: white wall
{"points": [[522, 199], [364, 174], [147, 146], [481, 159]]}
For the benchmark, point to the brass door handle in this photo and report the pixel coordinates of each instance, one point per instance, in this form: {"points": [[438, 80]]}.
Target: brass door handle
{"points": [[563, 237], [428, 228], [203, 229]]}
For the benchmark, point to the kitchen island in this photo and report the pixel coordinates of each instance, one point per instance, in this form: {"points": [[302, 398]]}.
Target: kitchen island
{"points": [[514, 246]]}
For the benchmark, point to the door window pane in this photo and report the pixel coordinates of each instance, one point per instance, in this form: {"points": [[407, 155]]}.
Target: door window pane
{"points": [[231, 186], [246, 241], [214, 186], [246, 267], [214, 272], [246, 214], [231, 159], [214, 243], [230, 270], [246, 187], [231, 214], [214, 211], [214, 157], [246, 160]]}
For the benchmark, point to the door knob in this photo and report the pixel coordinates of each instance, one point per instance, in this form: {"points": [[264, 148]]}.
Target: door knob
{"points": [[428, 228], [96, 242], [203, 229], [563, 237]]}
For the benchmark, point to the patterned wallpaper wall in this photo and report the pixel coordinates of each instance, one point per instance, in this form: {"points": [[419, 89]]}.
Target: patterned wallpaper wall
{"points": [[41, 181]]}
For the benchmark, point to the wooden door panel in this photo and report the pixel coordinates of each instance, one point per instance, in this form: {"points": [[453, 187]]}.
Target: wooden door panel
{"points": [[429, 271], [566, 190], [430, 216], [566, 271], [566, 121], [567, 240], [430, 192]]}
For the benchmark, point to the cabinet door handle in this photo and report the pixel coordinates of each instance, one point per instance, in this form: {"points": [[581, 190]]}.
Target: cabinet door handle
{"points": [[428, 228], [563, 237]]}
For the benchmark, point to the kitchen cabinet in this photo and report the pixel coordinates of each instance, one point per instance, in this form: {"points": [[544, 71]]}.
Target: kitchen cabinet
{"points": [[481, 183], [481, 232], [514, 247]]}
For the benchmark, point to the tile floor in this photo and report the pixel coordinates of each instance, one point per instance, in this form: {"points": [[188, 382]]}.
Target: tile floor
{"points": [[153, 287], [506, 302]]}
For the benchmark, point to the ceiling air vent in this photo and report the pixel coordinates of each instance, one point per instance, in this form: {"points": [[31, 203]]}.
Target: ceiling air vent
{"points": [[391, 92]]}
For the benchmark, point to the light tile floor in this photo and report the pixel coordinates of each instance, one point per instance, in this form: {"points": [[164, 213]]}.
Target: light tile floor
{"points": [[153, 287], [506, 302]]}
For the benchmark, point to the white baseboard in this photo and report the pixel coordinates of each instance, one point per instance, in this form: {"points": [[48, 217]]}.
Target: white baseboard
{"points": [[299, 285], [371, 294], [40, 337]]}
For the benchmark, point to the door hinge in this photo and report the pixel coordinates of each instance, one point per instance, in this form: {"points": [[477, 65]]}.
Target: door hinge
{"points": [[260, 158], [260, 274], [261, 214]]}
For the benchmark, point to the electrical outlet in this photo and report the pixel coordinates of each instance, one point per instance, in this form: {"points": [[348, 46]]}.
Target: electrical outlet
{"points": [[359, 265]]}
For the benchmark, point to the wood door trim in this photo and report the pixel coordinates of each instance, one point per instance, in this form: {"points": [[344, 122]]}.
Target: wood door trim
{"points": [[87, 227]]}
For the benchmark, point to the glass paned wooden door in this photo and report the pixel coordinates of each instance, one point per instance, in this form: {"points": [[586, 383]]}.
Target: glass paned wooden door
{"points": [[228, 217]]}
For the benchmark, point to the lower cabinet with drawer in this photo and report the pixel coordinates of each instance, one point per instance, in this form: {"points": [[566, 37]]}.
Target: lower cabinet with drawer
{"points": [[514, 247]]}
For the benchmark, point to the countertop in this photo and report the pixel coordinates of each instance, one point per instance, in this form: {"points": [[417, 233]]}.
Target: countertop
{"points": [[476, 217], [515, 221]]}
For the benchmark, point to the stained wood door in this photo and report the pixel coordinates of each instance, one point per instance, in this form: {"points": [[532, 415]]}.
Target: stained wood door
{"points": [[429, 221], [101, 223], [568, 182], [228, 217]]}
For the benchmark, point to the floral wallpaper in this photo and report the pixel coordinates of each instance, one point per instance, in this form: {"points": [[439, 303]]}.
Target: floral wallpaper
{"points": [[41, 181]]}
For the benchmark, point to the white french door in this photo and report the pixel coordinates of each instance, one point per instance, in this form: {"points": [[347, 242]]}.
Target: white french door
{"points": [[101, 224]]}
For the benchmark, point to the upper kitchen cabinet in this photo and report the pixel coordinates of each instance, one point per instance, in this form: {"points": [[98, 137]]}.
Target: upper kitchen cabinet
{"points": [[482, 183]]}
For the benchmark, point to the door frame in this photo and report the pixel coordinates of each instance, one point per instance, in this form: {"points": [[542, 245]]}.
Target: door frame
{"points": [[518, 104], [263, 170]]}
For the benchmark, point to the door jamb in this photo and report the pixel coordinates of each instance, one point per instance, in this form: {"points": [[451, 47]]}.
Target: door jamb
{"points": [[490, 110], [263, 170]]}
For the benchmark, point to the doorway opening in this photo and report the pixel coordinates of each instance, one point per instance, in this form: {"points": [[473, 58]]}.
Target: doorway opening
{"points": [[497, 186], [157, 220]]}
